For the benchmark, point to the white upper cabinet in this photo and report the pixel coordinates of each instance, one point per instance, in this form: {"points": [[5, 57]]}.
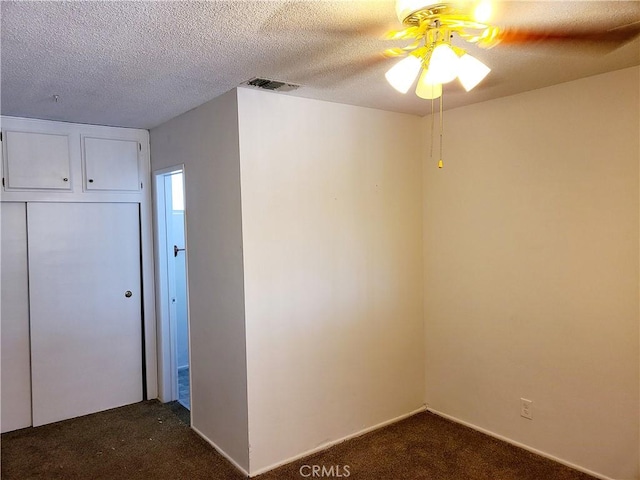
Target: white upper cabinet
{"points": [[46, 161], [110, 165], [37, 161]]}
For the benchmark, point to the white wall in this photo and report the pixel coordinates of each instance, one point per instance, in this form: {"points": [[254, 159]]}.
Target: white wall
{"points": [[206, 141], [331, 210], [531, 270]]}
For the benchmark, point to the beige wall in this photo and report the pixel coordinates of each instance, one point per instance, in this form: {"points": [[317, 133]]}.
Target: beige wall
{"points": [[531, 270], [206, 141], [331, 211]]}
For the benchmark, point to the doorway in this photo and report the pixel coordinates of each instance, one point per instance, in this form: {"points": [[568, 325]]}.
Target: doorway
{"points": [[173, 311]]}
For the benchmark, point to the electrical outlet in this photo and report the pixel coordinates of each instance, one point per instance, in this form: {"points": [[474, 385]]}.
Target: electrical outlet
{"points": [[526, 408]]}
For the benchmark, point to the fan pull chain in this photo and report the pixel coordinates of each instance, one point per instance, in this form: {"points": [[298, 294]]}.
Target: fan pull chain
{"points": [[440, 164], [432, 122]]}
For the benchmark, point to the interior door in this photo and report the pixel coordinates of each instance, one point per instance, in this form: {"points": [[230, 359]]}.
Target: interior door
{"points": [[85, 308]]}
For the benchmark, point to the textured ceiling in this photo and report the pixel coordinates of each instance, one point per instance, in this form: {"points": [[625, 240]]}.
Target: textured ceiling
{"points": [[138, 64]]}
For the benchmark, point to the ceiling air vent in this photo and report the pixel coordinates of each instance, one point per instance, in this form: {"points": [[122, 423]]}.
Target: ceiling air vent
{"points": [[274, 85]]}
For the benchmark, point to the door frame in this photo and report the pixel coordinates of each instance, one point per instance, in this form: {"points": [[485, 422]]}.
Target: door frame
{"points": [[165, 309]]}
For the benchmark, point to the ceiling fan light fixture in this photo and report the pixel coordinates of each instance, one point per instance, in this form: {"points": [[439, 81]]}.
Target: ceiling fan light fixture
{"points": [[471, 71], [402, 75], [443, 65], [426, 90], [432, 24]]}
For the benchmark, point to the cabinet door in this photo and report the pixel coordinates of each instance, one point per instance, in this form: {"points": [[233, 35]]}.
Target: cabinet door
{"points": [[37, 161], [85, 299], [111, 165], [16, 367]]}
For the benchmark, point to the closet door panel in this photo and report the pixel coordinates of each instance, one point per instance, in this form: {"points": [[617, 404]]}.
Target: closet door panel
{"points": [[14, 315], [85, 298]]}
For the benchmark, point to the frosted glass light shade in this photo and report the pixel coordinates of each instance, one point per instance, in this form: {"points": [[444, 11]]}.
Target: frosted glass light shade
{"points": [[404, 8], [402, 75], [471, 71], [443, 66], [427, 90]]}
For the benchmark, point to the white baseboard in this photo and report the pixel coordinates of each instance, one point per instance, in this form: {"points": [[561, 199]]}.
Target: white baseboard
{"points": [[324, 446], [221, 452], [521, 445]]}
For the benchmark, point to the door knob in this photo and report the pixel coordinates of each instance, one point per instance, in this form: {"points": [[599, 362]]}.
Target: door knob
{"points": [[128, 293]]}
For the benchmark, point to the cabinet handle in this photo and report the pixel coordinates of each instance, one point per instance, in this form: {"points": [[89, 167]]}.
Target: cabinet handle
{"points": [[65, 179], [91, 180]]}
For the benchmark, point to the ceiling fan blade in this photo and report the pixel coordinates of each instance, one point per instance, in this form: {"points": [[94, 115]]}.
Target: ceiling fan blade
{"points": [[605, 39], [400, 51], [330, 76], [405, 33], [372, 30], [328, 18]]}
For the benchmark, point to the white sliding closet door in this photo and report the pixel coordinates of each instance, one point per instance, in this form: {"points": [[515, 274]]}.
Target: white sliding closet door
{"points": [[86, 338], [16, 370]]}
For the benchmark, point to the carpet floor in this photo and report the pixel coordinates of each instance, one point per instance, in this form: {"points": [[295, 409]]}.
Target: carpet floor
{"points": [[149, 440]]}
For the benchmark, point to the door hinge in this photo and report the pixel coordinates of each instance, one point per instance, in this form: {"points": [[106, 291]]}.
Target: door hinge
{"points": [[3, 181], [141, 186], [0, 135], [139, 146]]}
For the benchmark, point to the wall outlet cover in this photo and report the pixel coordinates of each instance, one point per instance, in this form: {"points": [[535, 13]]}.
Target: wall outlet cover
{"points": [[526, 408]]}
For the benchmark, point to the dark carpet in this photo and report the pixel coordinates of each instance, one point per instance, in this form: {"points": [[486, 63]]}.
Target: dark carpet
{"points": [[143, 441], [428, 447], [148, 440]]}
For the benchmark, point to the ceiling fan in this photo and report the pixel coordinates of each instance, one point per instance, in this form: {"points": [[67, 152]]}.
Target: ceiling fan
{"points": [[434, 60]]}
